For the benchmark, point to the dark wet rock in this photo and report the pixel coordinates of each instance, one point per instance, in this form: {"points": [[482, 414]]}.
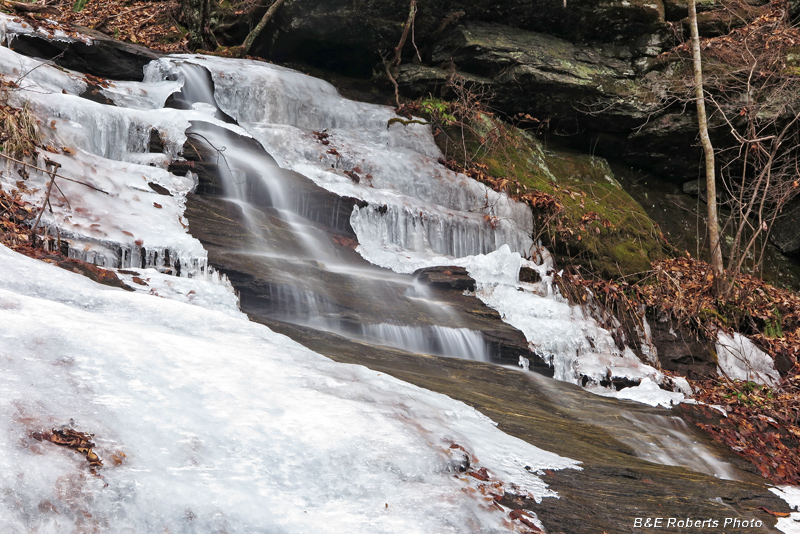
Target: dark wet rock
{"points": [[92, 272], [526, 274], [786, 231], [548, 76], [311, 31], [681, 352], [95, 94], [682, 219], [456, 278], [160, 189], [104, 57], [156, 144]]}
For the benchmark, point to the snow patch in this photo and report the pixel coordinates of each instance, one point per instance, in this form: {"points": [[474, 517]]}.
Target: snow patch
{"points": [[223, 423], [790, 494], [739, 359], [648, 392]]}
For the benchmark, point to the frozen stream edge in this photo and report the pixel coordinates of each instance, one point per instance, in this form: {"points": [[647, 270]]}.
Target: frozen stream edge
{"points": [[222, 422], [217, 423], [212, 433]]}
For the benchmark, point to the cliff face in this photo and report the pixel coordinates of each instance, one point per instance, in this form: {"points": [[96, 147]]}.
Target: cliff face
{"points": [[585, 66], [598, 74]]}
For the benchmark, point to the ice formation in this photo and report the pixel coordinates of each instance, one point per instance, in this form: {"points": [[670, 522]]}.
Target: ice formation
{"points": [[419, 214], [790, 494], [739, 359], [222, 423], [415, 213], [205, 421], [648, 392]]}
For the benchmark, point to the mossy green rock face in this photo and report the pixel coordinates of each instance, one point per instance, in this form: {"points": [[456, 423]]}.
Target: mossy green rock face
{"points": [[601, 227], [618, 239]]}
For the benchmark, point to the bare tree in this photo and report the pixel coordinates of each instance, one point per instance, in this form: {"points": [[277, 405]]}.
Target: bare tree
{"points": [[711, 178], [754, 95], [251, 37]]}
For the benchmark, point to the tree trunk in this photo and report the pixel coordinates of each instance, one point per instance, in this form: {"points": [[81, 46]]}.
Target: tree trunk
{"points": [[251, 37], [711, 181], [197, 16]]}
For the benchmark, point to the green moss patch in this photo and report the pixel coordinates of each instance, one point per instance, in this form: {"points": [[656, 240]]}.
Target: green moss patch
{"points": [[597, 224]]}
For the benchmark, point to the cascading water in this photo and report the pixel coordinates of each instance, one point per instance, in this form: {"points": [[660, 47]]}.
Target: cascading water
{"points": [[432, 340], [285, 236], [157, 371]]}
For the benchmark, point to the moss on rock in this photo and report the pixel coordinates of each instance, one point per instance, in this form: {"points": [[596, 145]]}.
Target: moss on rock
{"points": [[600, 227]]}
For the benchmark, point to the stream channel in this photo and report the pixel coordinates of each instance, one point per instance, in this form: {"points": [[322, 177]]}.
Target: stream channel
{"points": [[287, 245]]}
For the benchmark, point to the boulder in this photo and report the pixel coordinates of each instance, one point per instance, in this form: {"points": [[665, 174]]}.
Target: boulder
{"points": [[104, 57], [316, 31], [542, 75], [786, 231]]}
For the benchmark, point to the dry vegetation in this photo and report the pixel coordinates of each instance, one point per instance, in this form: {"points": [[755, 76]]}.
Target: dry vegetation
{"points": [[151, 23], [761, 423]]}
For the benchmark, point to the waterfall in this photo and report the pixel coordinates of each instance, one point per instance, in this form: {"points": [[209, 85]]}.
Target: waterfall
{"points": [[279, 142], [318, 281], [207, 421]]}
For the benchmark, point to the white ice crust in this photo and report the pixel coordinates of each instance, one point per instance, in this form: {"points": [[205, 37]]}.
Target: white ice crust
{"points": [[420, 214], [790, 494], [648, 392], [223, 423], [739, 359]]}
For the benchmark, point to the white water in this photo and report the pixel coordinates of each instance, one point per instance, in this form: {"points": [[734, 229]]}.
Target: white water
{"points": [[670, 441], [419, 213], [212, 387], [251, 179], [437, 340]]}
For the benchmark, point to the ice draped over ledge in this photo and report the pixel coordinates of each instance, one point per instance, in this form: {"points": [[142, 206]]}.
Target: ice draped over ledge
{"points": [[216, 423], [417, 213], [222, 423]]}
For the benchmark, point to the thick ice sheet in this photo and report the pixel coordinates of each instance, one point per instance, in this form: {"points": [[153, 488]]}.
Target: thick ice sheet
{"points": [[739, 359], [224, 424], [419, 214], [790, 494]]}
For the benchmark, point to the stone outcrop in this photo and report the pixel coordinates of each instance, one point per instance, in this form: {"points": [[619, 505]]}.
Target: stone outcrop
{"points": [[574, 86], [315, 30], [104, 56], [588, 69], [592, 72]]}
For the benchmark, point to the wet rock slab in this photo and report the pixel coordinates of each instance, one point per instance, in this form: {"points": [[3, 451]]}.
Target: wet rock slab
{"points": [[616, 485], [261, 278]]}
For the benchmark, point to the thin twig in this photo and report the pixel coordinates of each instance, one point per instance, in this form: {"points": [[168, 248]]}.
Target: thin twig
{"points": [[394, 82], [57, 56], [63, 195], [398, 51], [46, 200], [90, 186]]}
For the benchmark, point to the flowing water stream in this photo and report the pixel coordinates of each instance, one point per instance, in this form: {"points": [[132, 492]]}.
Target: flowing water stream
{"points": [[333, 206], [252, 181], [290, 236]]}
